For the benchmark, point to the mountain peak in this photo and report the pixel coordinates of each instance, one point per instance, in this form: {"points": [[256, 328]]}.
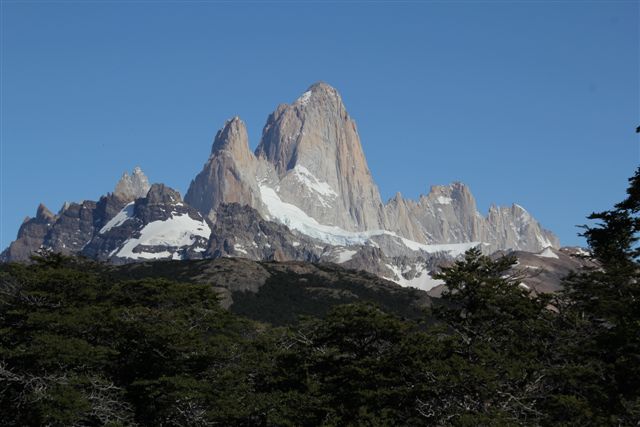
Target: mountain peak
{"points": [[162, 194], [43, 213], [134, 186], [229, 176], [233, 136], [316, 134], [321, 94]]}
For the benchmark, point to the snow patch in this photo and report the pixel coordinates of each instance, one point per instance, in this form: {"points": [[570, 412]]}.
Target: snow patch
{"points": [[304, 98], [345, 255], [544, 242], [444, 200], [454, 249], [582, 252], [422, 280], [547, 253], [120, 218], [239, 248], [309, 180], [176, 232]]}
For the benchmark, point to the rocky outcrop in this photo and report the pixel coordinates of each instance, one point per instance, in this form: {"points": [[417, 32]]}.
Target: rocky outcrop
{"points": [[448, 214], [31, 236], [73, 228], [131, 187], [230, 174], [513, 227], [158, 226], [240, 231]]}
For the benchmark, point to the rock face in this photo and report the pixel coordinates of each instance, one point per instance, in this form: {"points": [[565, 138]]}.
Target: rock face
{"points": [[229, 176], [130, 187], [31, 236], [240, 231], [448, 214]]}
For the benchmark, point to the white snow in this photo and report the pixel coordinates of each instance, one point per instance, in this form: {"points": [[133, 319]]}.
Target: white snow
{"points": [[547, 253], [444, 200], [296, 219], [295, 244], [422, 280], [454, 249], [309, 180], [544, 242], [239, 248], [175, 232], [304, 98], [119, 219], [582, 252], [345, 255]]}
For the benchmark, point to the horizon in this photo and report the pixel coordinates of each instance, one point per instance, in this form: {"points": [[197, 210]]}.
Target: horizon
{"points": [[544, 119]]}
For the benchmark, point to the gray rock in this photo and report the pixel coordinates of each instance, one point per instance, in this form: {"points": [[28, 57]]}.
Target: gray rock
{"points": [[31, 236], [131, 187], [448, 214], [229, 176]]}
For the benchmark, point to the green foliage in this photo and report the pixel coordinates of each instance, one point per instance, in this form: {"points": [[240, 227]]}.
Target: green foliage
{"points": [[286, 297], [600, 315], [79, 348]]}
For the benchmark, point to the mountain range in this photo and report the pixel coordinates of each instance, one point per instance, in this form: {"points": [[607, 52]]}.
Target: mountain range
{"points": [[306, 193]]}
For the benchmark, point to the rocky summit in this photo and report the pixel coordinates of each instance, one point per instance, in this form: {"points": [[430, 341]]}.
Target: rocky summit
{"points": [[305, 194]]}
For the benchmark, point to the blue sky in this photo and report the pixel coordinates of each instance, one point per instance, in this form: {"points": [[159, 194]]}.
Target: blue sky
{"points": [[530, 102]]}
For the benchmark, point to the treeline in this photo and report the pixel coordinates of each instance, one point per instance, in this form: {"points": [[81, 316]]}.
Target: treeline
{"points": [[81, 348]]}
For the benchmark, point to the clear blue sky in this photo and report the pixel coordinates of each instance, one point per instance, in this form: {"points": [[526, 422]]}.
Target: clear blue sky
{"points": [[529, 102]]}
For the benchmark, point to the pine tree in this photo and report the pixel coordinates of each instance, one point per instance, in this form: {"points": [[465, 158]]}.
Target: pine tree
{"points": [[600, 315]]}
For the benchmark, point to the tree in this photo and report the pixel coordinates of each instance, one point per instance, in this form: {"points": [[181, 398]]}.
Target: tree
{"points": [[601, 320], [499, 347]]}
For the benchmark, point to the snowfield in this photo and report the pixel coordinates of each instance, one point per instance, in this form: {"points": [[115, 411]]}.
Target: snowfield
{"points": [[423, 279], [120, 218], [177, 232]]}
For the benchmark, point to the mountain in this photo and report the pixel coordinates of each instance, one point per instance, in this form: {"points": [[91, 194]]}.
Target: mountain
{"points": [[122, 226], [309, 173], [306, 194]]}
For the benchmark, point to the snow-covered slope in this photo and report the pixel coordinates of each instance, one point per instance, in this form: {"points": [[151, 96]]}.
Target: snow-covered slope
{"points": [[173, 234], [296, 219]]}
